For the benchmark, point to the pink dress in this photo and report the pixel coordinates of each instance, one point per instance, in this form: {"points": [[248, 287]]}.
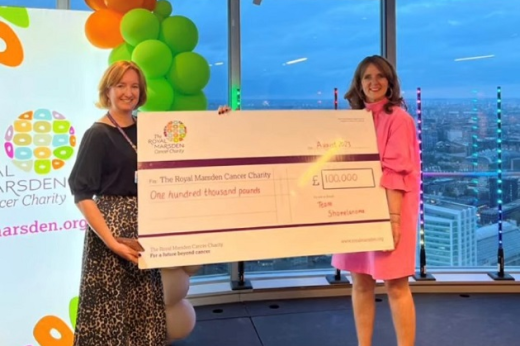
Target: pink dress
{"points": [[399, 151]]}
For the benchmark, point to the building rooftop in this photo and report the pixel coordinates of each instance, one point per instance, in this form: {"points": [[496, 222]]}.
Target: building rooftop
{"points": [[491, 231], [505, 207], [437, 201]]}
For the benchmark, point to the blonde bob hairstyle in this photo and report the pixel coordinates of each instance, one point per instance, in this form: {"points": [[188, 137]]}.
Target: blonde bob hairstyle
{"points": [[113, 75]]}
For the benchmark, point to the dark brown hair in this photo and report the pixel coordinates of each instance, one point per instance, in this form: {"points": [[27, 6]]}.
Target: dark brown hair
{"points": [[355, 95]]}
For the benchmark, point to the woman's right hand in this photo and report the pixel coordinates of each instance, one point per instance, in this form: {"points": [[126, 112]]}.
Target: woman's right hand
{"points": [[125, 252], [396, 232], [224, 109]]}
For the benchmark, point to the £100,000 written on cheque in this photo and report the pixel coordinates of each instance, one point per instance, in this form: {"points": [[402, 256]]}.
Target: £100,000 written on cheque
{"points": [[256, 185]]}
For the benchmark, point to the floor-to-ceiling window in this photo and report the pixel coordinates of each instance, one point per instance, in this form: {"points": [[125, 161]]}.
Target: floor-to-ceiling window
{"points": [[30, 3], [294, 53], [461, 54]]}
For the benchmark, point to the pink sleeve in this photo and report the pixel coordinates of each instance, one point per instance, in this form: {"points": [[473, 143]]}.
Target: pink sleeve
{"points": [[400, 157]]}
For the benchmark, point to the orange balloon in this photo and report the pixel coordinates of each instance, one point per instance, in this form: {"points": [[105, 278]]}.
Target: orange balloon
{"points": [[96, 4], [102, 29], [42, 332], [123, 6], [149, 4], [12, 56]]}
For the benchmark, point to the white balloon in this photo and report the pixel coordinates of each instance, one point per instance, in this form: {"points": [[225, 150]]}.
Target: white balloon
{"points": [[176, 283], [180, 320], [192, 270]]}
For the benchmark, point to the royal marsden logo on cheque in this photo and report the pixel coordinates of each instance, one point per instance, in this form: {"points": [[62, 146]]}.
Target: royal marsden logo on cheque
{"points": [[171, 138]]}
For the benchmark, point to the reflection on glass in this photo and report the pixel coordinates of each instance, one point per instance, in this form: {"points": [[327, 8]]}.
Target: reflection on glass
{"points": [[295, 61]]}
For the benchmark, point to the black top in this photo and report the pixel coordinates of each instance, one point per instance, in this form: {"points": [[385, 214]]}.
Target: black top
{"points": [[105, 164]]}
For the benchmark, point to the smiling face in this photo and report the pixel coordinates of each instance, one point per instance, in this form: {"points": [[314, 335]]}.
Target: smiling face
{"points": [[124, 95], [374, 84]]}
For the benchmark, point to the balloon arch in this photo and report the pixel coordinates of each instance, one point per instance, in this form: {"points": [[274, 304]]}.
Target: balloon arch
{"points": [[161, 44]]}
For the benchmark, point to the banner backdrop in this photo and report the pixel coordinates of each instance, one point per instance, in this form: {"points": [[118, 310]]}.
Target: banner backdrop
{"points": [[49, 74]]}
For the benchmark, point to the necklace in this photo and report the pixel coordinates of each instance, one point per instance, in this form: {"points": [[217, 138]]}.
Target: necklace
{"points": [[109, 116]]}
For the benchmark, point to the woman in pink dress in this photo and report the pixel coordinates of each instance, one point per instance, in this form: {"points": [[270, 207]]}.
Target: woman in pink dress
{"points": [[375, 86]]}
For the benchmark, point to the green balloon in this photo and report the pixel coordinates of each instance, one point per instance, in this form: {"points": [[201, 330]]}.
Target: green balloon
{"points": [[179, 33], [123, 52], [189, 73], [159, 95], [164, 8], [153, 57], [73, 311], [160, 17], [139, 25], [196, 102]]}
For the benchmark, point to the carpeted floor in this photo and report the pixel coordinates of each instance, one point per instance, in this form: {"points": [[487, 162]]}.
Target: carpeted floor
{"points": [[442, 319]]}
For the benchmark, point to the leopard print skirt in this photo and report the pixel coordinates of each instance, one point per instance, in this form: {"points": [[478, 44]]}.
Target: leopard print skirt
{"points": [[119, 304]]}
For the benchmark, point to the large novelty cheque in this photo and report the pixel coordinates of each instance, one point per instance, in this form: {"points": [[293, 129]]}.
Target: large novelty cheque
{"points": [[254, 185]]}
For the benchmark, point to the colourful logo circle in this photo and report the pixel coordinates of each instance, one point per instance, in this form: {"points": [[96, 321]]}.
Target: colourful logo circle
{"points": [[175, 131], [40, 141]]}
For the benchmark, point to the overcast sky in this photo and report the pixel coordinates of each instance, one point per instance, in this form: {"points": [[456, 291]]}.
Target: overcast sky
{"points": [[449, 48]]}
